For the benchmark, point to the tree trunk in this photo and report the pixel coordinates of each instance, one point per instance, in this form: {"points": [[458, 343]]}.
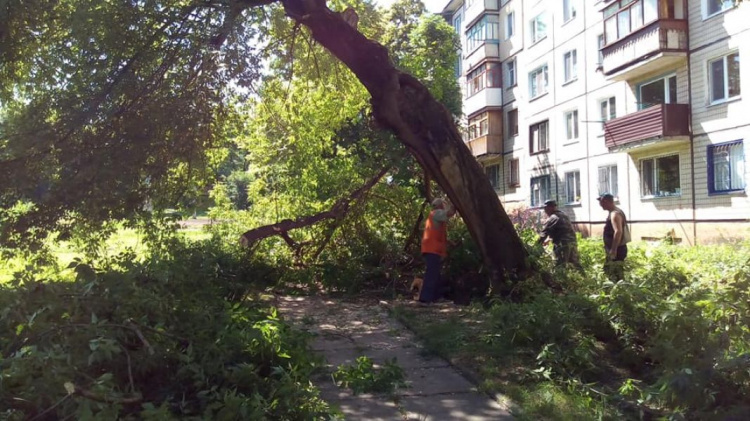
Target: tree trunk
{"points": [[405, 106]]}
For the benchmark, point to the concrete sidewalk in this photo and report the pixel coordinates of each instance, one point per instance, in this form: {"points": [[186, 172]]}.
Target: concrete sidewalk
{"points": [[348, 329]]}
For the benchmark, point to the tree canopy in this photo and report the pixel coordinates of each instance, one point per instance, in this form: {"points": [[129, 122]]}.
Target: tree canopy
{"points": [[109, 107]]}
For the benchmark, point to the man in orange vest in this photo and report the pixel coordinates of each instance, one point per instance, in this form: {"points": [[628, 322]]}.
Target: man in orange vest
{"points": [[434, 248]]}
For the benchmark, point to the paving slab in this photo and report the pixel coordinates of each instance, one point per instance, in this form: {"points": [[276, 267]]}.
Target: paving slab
{"points": [[454, 406], [346, 329], [436, 380]]}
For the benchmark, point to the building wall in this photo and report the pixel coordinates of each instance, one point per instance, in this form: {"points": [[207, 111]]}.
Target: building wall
{"points": [[694, 215], [714, 124]]}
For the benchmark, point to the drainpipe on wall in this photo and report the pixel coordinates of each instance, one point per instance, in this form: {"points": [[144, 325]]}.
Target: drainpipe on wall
{"points": [[690, 128]]}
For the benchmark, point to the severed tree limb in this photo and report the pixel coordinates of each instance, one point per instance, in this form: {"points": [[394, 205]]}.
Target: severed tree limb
{"points": [[339, 209]]}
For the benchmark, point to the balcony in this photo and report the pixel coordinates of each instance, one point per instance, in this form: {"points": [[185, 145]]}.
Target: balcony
{"points": [[486, 145], [658, 45], [488, 49], [657, 125], [487, 98], [477, 8]]}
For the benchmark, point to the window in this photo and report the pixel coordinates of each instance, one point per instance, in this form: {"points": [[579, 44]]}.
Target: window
{"points": [[570, 60], [540, 190], [479, 126], [571, 125], [608, 110], [538, 28], [538, 137], [513, 123], [661, 176], [459, 62], [514, 179], [724, 77], [511, 67], [623, 17], [487, 75], [569, 10], [715, 6], [661, 91], [608, 180], [726, 167], [600, 43], [538, 81], [509, 25], [485, 30], [573, 187], [493, 174]]}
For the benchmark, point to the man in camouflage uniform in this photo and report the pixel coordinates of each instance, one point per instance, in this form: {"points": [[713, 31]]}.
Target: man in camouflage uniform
{"points": [[559, 229]]}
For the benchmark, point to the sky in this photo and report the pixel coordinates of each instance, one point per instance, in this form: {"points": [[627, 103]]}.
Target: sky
{"points": [[434, 6]]}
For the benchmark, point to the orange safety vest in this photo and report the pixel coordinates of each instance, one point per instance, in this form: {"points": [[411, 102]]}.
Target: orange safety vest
{"points": [[435, 237]]}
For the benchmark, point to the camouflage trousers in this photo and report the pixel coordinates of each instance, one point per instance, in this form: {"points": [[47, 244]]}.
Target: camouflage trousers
{"points": [[567, 253]]}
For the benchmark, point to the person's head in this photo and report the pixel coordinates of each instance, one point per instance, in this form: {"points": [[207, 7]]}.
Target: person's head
{"points": [[550, 207], [438, 203], [607, 201]]}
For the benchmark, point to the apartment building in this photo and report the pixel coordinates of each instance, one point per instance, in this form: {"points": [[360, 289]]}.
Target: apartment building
{"points": [[566, 99]]}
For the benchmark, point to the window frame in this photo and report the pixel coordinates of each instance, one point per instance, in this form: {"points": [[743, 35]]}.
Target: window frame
{"points": [[723, 8], [514, 168], [512, 128], [710, 151], [667, 96], [569, 10], [483, 31], [479, 126], [611, 108], [512, 70], [486, 75], [613, 183], [655, 177], [570, 74], [600, 53], [577, 185], [494, 181], [725, 75], [620, 12], [539, 202], [510, 25], [576, 126], [535, 146], [534, 28], [544, 69]]}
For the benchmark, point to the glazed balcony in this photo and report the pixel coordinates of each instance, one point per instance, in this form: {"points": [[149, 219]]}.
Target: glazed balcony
{"points": [[659, 45], [487, 98], [486, 145], [655, 125]]}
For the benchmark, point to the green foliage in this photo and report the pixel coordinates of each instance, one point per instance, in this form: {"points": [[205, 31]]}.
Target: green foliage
{"points": [[670, 340], [364, 377], [108, 108], [177, 336]]}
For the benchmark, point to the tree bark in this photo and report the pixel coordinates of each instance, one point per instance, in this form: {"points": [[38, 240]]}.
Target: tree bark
{"points": [[405, 106]]}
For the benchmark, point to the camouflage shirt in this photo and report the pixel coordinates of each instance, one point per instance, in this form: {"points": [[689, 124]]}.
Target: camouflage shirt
{"points": [[559, 229]]}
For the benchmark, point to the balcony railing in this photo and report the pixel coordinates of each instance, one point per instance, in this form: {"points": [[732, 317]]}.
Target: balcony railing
{"points": [[660, 36], [488, 144], [658, 122]]}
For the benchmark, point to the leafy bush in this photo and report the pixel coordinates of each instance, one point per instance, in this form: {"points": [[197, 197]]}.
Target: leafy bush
{"points": [[170, 338]]}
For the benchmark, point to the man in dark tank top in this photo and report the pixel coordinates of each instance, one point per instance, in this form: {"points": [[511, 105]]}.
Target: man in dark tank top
{"points": [[616, 237]]}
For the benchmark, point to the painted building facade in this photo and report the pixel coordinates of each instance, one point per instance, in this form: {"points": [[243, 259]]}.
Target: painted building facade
{"points": [[567, 99]]}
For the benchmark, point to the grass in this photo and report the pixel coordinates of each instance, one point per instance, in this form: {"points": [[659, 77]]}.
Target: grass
{"points": [[65, 252]]}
